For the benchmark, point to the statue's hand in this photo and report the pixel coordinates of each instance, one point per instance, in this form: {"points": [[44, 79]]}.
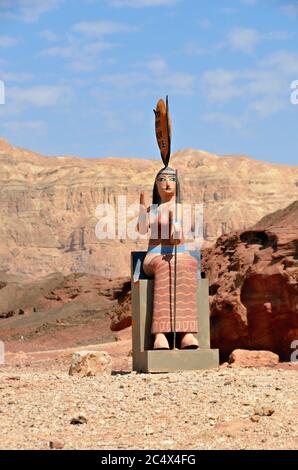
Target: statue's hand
{"points": [[176, 235], [142, 199], [142, 226]]}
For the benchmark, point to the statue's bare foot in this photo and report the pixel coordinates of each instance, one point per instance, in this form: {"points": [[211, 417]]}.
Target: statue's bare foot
{"points": [[161, 342], [188, 341]]}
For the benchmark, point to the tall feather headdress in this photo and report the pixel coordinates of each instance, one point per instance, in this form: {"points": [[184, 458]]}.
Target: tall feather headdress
{"points": [[163, 130]]}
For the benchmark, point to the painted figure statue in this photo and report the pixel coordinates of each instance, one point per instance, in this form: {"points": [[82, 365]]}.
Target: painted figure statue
{"points": [[168, 260]]}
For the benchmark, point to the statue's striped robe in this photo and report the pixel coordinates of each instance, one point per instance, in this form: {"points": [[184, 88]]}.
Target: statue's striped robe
{"points": [[162, 268]]}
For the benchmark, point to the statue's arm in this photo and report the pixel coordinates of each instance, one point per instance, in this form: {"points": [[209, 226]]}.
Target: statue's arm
{"points": [[176, 234], [143, 220]]}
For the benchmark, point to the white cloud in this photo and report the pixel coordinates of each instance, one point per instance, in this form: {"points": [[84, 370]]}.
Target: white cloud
{"points": [[15, 76], [28, 11], [226, 120], [157, 66], [38, 96], [141, 3], [20, 100], [16, 127], [173, 82], [262, 91], [81, 52], [284, 61], [178, 83], [125, 80], [8, 41], [205, 23], [247, 39], [193, 48], [220, 86], [2, 92], [240, 39], [49, 35], [243, 39], [277, 36], [58, 51], [156, 75], [260, 82], [83, 57], [290, 10], [112, 120], [267, 105], [100, 28], [229, 10], [249, 2]]}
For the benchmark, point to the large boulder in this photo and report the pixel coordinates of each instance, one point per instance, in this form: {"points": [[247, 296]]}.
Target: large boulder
{"points": [[244, 358], [90, 363], [253, 285]]}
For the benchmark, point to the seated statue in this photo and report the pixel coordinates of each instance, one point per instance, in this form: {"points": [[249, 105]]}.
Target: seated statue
{"points": [[174, 269], [175, 274]]}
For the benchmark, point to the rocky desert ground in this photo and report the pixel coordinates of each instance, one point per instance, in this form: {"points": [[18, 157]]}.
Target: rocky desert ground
{"points": [[228, 407]]}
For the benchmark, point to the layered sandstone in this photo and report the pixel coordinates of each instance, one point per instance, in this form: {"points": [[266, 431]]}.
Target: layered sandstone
{"points": [[48, 204], [253, 279]]}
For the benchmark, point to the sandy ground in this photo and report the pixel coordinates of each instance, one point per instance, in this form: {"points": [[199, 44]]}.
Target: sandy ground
{"points": [[223, 408]]}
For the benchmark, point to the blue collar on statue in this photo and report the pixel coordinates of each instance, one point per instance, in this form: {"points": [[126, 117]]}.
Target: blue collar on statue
{"points": [[167, 249]]}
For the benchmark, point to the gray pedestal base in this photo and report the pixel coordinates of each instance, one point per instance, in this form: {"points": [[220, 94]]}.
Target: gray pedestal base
{"points": [[145, 359], [169, 361]]}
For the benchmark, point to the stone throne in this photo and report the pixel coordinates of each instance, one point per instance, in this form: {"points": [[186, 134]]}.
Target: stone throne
{"points": [[145, 359]]}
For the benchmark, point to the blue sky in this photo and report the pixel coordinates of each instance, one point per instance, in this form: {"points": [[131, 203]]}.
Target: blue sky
{"points": [[83, 76]]}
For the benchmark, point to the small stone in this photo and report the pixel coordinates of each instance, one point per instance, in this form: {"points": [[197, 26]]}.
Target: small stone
{"points": [[224, 365], [264, 411], [232, 427], [255, 418], [90, 363], [167, 442], [79, 420], [56, 444]]}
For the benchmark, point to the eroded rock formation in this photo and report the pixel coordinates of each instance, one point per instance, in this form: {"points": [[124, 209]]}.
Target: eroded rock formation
{"points": [[47, 204], [253, 278]]}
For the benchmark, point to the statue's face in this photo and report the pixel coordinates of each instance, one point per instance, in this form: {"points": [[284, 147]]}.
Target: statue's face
{"points": [[166, 185]]}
